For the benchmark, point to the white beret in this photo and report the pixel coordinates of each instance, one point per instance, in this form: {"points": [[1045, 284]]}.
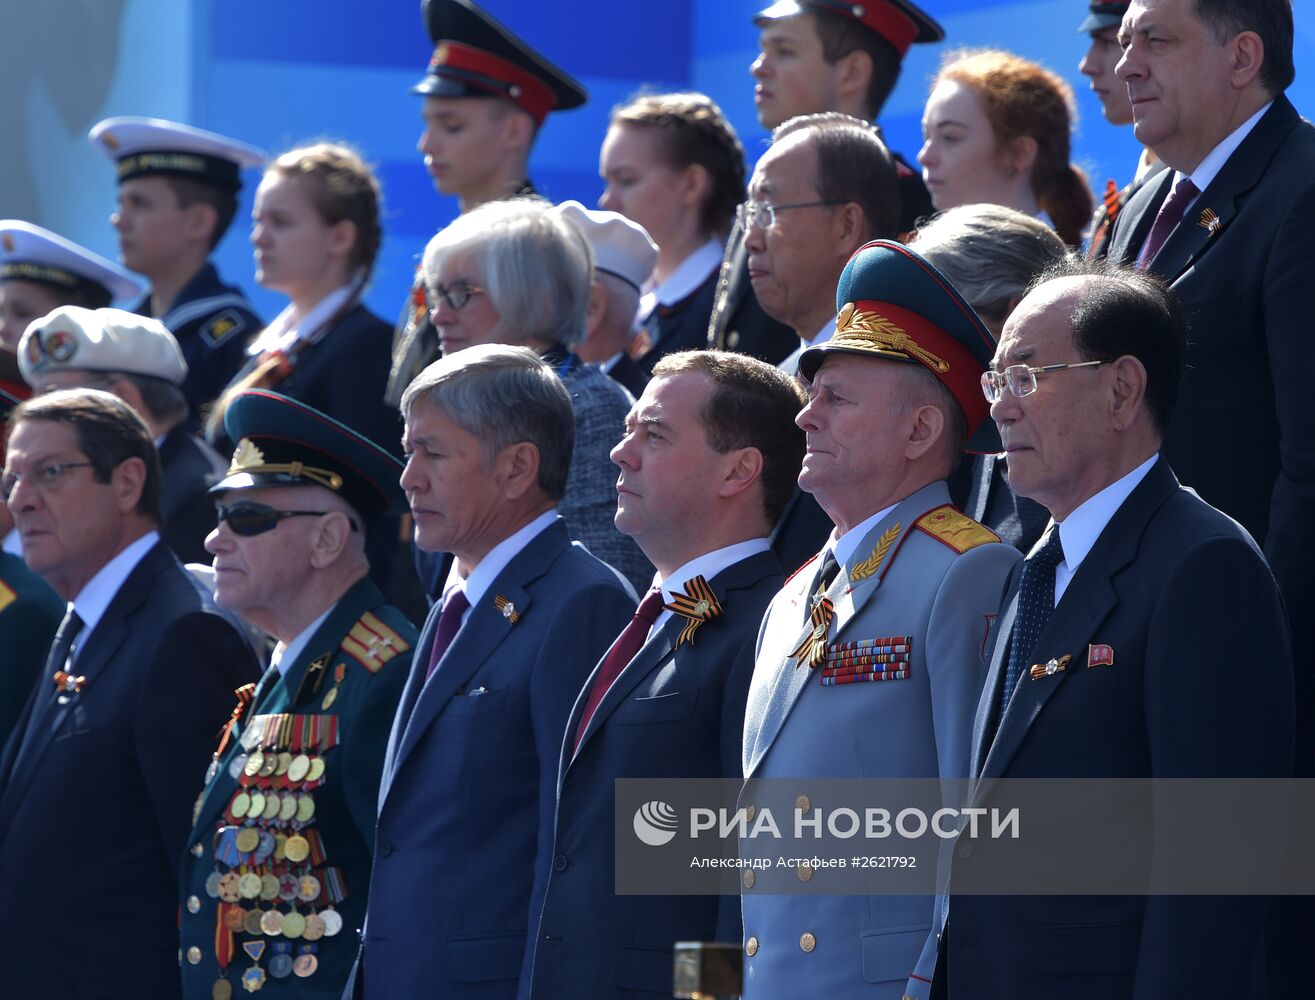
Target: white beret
{"points": [[106, 340], [621, 247]]}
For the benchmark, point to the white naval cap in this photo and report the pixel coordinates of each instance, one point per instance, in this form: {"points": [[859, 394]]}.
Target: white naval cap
{"points": [[621, 247], [35, 254], [105, 340], [144, 146]]}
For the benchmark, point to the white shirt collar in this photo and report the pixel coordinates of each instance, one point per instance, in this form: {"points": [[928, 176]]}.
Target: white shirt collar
{"points": [[1078, 532], [482, 576], [688, 275], [847, 544], [283, 332], [610, 363], [13, 543], [92, 600], [707, 566], [1208, 169], [285, 654]]}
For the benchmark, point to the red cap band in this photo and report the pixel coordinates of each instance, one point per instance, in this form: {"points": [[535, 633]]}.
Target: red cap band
{"points": [[523, 89], [889, 22]]}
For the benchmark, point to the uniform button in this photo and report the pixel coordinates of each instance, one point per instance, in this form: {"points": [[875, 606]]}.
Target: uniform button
{"points": [[197, 850], [749, 879], [559, 863], [751, 947], [965, 850], [803, 804], [194, 955], [805, 871], [807, 942], [193, 904], [385, 848], [749, 812], [733, 339]]}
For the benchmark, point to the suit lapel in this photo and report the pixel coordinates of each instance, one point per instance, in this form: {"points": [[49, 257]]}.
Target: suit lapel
{"points": [[1135, 221], [982, 722]]}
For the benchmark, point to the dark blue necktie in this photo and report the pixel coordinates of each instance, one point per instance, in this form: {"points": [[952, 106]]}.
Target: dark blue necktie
{"points": [[1036, 600]]}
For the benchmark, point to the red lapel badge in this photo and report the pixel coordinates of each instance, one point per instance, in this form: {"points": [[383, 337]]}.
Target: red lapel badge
{"points": [[1100, 655]]}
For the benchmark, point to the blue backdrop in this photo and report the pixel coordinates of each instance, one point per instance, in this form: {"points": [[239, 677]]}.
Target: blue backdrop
{"points": [[281, 72]]}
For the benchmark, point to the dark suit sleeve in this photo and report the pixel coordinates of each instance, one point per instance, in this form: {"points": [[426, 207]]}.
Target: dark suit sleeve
{"points": [[368, 729], [1218, 703], [198, 663], [27, 629]]}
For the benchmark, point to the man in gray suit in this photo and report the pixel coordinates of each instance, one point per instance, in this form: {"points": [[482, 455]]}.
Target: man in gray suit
{"points": [[893, 400]]}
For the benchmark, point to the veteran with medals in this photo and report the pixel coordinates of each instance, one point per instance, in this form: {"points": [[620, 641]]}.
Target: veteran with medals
{"points": [[277, 869], [871, 658]]}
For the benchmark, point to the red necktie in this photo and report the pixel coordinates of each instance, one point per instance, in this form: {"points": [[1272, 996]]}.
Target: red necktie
{"points": [[1171, 213], [449, 622], [628, 643]]}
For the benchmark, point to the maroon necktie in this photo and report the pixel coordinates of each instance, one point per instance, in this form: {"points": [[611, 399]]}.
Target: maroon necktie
{"points": [[449, 622], [1171, 213], [628, 643]]}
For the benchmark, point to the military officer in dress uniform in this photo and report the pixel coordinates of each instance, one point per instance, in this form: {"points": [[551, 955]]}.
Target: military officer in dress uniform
{"points": [[818, 55], [893, 399], [138, 359], [277, 870], [177, 196], [486, 95], [40, 271]]}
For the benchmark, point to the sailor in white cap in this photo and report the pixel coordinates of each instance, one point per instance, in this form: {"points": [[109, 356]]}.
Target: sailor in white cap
{"points": [[177, 196], [624, 257], [138, 359]]}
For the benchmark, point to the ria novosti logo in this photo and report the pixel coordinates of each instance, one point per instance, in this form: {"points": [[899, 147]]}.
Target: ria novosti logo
{"points": [[656, 823]]}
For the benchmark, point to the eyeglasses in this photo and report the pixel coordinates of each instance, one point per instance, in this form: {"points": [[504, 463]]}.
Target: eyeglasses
{"points": [[1021, 379], [763, 213], [43, 477], [457, 294], [248, 519]]}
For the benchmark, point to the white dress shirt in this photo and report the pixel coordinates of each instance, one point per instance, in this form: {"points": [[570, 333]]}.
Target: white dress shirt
{"points": [[482, 576], [285, 655], [92, 600]]}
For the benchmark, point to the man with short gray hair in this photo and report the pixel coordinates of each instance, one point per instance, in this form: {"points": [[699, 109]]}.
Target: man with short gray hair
{"points": [[139, 360], [470, 773]]}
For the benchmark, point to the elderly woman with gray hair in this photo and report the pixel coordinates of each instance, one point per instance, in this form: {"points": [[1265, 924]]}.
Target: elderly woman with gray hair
{"points": [[516, 272], [991, 254]]}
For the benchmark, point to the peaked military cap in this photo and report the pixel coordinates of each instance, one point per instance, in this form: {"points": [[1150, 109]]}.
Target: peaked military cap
{"points": [[1103, 15], [476, 56], [893, 305], [897, 21], [30, 253], [283, 442], [145, 146]]}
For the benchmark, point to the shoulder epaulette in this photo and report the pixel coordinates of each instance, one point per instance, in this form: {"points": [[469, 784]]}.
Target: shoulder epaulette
{"points": [[805, 566], [955, 529], [7, 595], [371, 643]]}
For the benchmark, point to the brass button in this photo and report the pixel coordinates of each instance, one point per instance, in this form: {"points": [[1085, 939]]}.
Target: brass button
{"points": [[803, 804], [194, 955], [805, 871], [749, 812], [197, 850], [733, 339], [807, 941], [749, 878], [751, 947], [193, 904]]}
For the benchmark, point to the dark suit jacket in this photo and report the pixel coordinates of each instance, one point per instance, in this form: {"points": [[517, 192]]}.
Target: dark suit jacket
{"points": [[469, 777], [630, 375], [106, 782], [1243, 434], [681, 326], [672, 713], [188, 468], [30, 612], [1173, 706]]}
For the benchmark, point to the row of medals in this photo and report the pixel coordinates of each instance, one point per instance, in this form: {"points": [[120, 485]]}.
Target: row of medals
{"points": [[262, 845]]}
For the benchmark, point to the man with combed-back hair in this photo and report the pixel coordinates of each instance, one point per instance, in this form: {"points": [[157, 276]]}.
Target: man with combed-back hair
{"points": [[469, 780]]}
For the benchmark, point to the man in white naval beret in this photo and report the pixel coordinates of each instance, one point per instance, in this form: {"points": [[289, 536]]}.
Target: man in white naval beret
{"points": [[138, 359], [624, 257], [178, 190]]}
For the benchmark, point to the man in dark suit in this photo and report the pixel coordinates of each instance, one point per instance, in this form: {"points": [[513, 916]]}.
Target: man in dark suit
{"points": [[469, 781], [1212, 107], [1117, 649], [138, 359], [291, 559], [818, 55], [710, 456], [104, 764]]}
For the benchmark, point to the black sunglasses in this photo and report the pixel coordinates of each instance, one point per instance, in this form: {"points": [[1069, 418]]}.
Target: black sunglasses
{"points": [[247, 518]]}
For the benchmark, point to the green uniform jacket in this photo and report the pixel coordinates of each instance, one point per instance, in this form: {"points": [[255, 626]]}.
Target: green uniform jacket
{"points": [[30, 612]]}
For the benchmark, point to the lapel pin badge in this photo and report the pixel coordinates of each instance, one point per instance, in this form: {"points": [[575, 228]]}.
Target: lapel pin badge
{"points": [[67, 683], [1210, 222], [1050, 667], [507, 609], [1100, 655]]}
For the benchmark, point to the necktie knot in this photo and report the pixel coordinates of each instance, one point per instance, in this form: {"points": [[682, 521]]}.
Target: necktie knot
{"points": [[1051, 554], [826, 575], [650, 607]]}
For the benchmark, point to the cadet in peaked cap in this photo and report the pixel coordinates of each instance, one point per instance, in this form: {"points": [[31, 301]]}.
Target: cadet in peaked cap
{"points": [[897, 21], [1103, 14], [167, 164], [893, 305], [294, 780]]}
